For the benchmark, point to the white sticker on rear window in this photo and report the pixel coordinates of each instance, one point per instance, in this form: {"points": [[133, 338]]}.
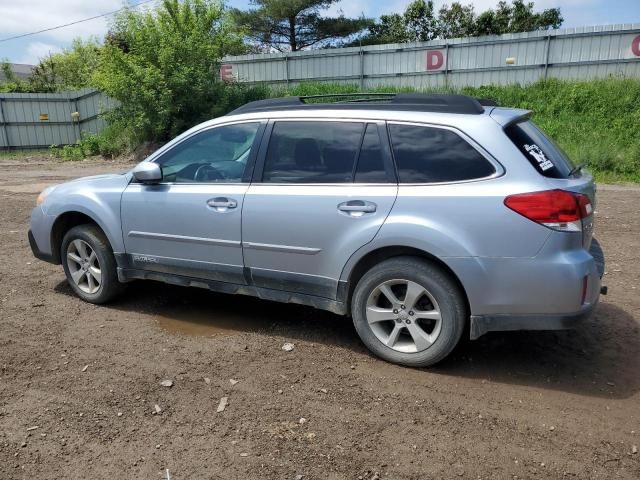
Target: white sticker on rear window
{"points": [[541, 158]]}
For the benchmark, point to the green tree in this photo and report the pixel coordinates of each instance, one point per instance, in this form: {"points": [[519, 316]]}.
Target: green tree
{"points": [[70, 69], [516, 17], [388, 29], [295, 24], [456, 20], [162, 66], [420, 21], [417, 23], [11, 83]]}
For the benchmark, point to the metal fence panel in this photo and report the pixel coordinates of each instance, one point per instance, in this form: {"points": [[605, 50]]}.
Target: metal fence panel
{"points": [[29, 120], [40, 120], [585, 53]]}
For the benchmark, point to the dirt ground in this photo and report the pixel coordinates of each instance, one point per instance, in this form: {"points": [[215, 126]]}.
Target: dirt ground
{"points": [[79, 384]]}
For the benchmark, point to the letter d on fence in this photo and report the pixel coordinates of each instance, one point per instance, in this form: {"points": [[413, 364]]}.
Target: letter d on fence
{"points": [[435, 59], [635, 46]]}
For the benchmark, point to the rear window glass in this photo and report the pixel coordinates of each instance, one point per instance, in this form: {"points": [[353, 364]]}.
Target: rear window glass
{"points": [[432, 155], [545, 156]]}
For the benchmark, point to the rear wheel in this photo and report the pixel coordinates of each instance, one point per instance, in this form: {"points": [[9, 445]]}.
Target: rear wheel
{"points": [[89, 264], [409, 311]]}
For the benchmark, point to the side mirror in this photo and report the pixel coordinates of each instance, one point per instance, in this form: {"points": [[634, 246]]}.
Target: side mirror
{"points": [[147, 172]]}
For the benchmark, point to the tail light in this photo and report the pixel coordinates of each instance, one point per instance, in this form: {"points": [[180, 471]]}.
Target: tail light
{"points": [[556, 209]]}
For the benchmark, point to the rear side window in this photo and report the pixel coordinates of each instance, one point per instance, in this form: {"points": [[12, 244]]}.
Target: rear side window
{"points": [[312, 152], [431, 155], [545, 156], [371, 165]]}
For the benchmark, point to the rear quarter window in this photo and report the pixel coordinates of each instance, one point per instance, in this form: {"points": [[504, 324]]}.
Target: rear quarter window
{"points": [[435, 155], [545, 156]]}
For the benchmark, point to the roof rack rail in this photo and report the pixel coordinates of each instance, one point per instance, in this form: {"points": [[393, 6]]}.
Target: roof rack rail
{"points": [[443, 103], [347, 96]]}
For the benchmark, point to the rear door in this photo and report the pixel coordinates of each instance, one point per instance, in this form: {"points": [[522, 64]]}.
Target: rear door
{"points": [[322, 189]]}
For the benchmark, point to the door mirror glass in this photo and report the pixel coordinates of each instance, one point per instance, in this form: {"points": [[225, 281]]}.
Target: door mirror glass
{"points": [[147, 172]]}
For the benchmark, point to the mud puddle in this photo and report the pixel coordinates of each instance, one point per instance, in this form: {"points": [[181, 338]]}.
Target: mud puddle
{"points": [[203, 323], [197, 317]]}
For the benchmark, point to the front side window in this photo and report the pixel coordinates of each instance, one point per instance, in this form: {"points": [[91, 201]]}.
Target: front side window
{"points": [[433, 155], [312, 152], [218, 155]]}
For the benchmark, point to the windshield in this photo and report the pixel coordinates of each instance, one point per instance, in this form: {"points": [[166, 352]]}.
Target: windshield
{"points": [[545, 156]]}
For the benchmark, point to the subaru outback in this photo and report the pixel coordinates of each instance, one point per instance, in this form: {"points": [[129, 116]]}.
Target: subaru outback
{"points": [[422, 217]]}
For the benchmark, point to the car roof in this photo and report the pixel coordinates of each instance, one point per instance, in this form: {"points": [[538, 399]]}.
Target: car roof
{"points": [[412, 102], [443, 109]]}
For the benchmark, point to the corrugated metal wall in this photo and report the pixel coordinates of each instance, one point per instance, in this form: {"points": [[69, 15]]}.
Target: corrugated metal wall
{"points": [[588, 52], [29, 120], [578, 53]]}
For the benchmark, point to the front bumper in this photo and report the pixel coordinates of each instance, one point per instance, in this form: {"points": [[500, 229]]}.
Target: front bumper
{"points": [[47, 257]]}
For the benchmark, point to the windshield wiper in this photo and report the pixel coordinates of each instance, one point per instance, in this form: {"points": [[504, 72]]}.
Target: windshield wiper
{"points": [[576, 169]]}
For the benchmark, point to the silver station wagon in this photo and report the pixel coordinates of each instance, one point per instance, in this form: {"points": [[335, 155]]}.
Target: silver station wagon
{"points": [[423, 217]]}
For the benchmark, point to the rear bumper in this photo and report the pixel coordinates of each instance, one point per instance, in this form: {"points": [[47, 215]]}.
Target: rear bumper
{"points": [[563, 280], [481, 324]]}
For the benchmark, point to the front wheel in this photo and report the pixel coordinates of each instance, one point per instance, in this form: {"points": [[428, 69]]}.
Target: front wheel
{"points": [[89, 264], [409, 311]]}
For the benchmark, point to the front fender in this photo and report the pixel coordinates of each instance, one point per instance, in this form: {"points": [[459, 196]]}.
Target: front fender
{"points": [[97, 198]]}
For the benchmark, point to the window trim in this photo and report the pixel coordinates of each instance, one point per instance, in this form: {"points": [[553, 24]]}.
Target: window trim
{"points": [[384, 143], [251, 161], [497, 166]]}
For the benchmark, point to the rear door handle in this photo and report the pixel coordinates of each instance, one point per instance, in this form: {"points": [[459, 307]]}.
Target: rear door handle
{"points": [[357, 208], [222, 203]]}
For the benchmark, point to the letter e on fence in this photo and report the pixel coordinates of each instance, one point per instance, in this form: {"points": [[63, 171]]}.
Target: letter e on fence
{"points": [[226, 72], [435, 59], [635, 46]]}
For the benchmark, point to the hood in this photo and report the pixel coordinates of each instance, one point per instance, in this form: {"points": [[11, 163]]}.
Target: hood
{"points": [[95, 177]]}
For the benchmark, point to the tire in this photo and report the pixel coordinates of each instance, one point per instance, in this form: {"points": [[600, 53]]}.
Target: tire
{"points": [[82, 268], [433, 338]]}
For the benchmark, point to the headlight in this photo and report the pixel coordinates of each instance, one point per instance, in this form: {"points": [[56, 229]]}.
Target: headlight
{"points": [[43, 195]]}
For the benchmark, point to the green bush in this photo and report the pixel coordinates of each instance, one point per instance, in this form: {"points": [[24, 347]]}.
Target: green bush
{"points": [[162, 67], [109, 143]]}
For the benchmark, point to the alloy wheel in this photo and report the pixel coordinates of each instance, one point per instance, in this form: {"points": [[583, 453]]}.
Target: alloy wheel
{"points": [[403, 315], [84, 266]]}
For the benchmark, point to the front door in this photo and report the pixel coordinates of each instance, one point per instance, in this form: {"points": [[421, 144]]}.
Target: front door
{"points": [[190, 223], [322, 191]]}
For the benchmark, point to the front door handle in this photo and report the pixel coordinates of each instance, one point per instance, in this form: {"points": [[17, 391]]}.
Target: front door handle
{"points": [[222, 204], [357, 208]]}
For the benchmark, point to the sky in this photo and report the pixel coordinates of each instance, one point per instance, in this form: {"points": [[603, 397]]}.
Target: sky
{"points": [[24, 16]]}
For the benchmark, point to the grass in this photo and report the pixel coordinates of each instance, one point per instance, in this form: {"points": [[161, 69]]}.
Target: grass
{"points": [[23, 154], [595, 122]]}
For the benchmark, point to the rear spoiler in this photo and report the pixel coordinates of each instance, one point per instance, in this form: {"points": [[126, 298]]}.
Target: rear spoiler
{"points": [[509, 116]]}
